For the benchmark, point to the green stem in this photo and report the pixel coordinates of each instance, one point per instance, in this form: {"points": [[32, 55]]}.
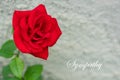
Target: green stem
{"points": [[17, 53], [22, 78]]}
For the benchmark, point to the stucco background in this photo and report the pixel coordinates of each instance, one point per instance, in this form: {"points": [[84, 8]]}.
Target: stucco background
{"points": [[91, 30]]}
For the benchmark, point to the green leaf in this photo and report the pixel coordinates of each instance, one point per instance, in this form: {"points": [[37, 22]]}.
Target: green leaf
{"points": [[33, 72], [7, 49], [7, 74], [9, 78], [17, 67], [40, 77]]}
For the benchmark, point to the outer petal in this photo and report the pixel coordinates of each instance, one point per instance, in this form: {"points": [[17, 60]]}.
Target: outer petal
{"points": [[19, 42], [39, 10], [43, 54], [55, 34], [24, 29], [17, 16]]}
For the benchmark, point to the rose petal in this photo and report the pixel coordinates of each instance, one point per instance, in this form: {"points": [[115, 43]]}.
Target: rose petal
{"points": [[38, 21], [19, 42], [39, 10], [17, 15], [47, 24], [24, 29], [55, 34], [43, 54], [34, 46]]}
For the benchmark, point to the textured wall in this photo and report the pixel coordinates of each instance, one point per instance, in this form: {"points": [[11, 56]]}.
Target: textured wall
{"points": [[91, 31]]}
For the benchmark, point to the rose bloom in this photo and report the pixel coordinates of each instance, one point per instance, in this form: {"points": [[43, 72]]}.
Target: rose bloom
{"points": [[35, 31]]}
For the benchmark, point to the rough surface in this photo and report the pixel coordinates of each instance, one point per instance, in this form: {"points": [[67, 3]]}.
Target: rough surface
{"points": [[90, 29]]}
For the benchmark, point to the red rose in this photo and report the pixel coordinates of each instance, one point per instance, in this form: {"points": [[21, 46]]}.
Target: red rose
{"points": [[35, 31]]}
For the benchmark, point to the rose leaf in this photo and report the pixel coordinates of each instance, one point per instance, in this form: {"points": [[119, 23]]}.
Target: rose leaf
{"points": [[33, 72], [17, 67], [7, 49]]}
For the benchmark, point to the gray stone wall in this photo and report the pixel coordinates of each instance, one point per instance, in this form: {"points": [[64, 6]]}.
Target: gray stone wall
{"points": [[91, 30]]}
